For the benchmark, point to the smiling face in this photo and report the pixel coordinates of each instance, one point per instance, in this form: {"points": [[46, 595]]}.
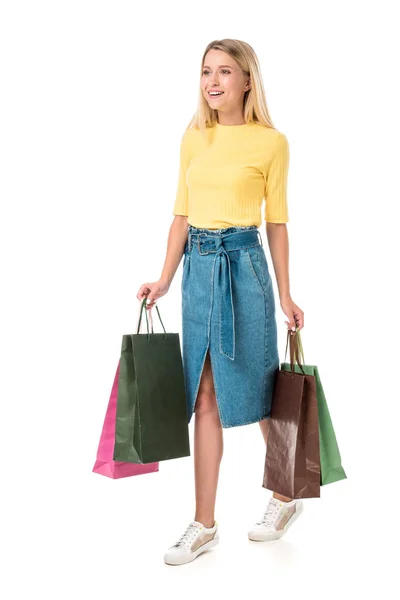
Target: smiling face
{"points": [[221, 73]]}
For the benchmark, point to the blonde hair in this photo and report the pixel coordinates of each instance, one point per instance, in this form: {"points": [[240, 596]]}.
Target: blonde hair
{"points": [[254, 104]]}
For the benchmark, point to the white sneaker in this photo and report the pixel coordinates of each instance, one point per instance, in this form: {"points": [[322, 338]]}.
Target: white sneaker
{"points": [[277, 519], [195, 540]]}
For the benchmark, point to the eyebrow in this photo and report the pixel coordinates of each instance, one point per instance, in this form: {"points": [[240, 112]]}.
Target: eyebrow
{"points": [[207, 67]]}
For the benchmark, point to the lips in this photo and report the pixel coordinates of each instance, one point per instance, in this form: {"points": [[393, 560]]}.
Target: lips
{"points": [[215, 95]]}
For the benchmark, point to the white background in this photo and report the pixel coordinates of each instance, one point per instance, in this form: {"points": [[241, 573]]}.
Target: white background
{"points": [[94, 99]]}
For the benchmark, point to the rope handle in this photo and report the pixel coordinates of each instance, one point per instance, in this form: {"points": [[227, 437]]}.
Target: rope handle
{"points": [[142, 306], [296, 349]]}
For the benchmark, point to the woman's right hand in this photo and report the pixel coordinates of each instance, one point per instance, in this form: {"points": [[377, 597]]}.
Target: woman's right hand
{"points": [[153, 291]]}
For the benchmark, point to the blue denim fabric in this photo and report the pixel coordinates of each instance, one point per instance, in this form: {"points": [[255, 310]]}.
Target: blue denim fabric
{"points": [[228, 307]]}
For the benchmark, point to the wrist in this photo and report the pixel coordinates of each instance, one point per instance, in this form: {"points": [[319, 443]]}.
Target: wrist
{"points": [[284, 297], [164, 280]]}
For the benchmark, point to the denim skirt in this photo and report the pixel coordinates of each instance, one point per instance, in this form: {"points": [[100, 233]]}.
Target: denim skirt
{"points": [[228, 308]]}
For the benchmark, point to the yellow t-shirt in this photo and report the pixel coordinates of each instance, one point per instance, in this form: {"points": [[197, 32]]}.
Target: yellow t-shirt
{"points": [[224, 178]]}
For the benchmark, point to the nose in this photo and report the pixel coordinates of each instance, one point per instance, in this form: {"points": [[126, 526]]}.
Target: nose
{"points": [[213, 80]]}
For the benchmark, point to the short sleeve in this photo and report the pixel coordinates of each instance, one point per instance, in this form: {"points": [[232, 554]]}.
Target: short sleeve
{"points": [[276, 206], [182, 193]]}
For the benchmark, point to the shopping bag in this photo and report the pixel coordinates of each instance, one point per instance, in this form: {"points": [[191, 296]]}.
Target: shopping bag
{"points": [[152, 419], [289, 473], [331, 461], [292, 461], [105, 464]]}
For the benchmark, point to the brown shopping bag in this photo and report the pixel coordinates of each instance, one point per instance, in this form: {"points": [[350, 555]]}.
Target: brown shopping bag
{"points": [[292, 461]]}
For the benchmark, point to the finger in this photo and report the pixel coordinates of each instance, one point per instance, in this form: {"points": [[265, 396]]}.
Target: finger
{"points": [[290, 325], [142, 292], [298, 317], [150, 301]]}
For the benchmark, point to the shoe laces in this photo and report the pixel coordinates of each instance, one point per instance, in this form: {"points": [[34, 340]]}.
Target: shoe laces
{"points": [[189, 534], [270, 513]]}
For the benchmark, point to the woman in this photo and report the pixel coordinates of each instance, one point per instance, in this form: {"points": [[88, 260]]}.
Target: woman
{"points": [[231, 157]]}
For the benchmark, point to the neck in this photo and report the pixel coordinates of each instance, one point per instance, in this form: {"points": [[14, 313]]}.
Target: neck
{"points": [[234, 119]]}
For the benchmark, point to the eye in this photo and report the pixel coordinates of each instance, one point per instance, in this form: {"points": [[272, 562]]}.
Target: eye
{"points": [[206, 71]]}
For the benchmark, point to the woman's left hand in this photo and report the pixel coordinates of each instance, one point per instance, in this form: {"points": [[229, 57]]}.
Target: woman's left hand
{"points": [[293, 313]]}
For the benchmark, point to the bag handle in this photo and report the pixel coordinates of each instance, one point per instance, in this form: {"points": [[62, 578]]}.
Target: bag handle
{"points": [[298, 345], [143, 304], [296, 349]]}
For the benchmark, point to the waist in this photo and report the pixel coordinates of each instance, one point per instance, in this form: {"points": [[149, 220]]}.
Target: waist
{"points": [[229, 238]]}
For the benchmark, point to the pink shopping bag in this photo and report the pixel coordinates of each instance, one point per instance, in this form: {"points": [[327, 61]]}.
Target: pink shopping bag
{"points": [[105, 465]]}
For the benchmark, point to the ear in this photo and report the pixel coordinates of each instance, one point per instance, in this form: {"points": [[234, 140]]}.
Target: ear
{"points": [[248, 85]]}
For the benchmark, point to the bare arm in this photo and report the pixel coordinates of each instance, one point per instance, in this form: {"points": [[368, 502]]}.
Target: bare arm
{"points": [[177, 237], [278, 241]]}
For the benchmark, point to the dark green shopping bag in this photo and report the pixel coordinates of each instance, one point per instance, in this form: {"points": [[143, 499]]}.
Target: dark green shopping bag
{"points": [[331, 462], [152, 420]]}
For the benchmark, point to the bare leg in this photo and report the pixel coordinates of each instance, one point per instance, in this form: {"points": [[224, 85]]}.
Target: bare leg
{"points": [[264, 429], [208, 447]]}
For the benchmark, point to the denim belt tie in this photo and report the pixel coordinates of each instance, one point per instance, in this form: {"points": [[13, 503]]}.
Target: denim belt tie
{"points": [[221, 244]]}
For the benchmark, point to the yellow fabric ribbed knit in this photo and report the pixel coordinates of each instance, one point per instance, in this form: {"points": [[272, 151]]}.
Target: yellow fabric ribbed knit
{"points": [[224, 177]]}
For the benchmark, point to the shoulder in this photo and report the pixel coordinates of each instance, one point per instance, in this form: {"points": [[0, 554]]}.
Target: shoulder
{"points": [[191, 134], [186, 137], [281, 144], [194, 140], [189, 139], [275, 144], [271, 135]]}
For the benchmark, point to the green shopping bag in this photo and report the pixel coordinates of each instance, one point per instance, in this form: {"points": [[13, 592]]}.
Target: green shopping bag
{"points": [[331, 462], [152, 420]]}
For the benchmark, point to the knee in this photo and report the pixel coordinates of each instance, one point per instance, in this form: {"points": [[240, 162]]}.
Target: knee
{"points": [[206, 403]]}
